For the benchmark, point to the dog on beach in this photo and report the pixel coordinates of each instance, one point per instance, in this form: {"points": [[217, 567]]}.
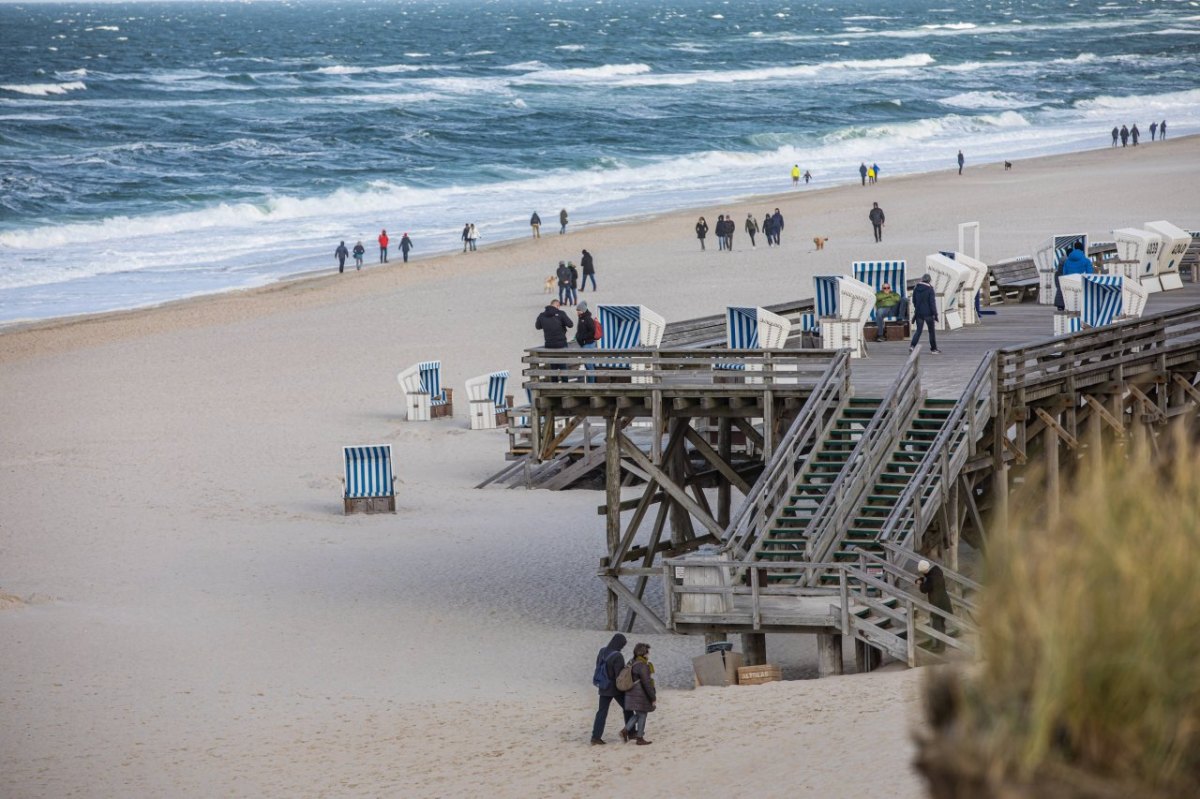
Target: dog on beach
{"points": [[819, 241], [1007, 165], [548, 286]]}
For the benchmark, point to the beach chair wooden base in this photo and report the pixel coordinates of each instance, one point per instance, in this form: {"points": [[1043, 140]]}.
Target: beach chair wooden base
{"points": [[893, 330], [446, 408], [418, 407], [370, 504]]}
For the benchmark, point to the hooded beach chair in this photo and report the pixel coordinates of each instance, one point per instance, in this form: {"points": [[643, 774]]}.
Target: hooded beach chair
{"points": [[489, 404], [1049, 258], [825, 297], [948, 279], [1175, 243], [752, 329], [370, 486], [849, 303], [424, 396], [976, 279], [1092, 301], [894, 273], [628, 327], [1139, 249]]}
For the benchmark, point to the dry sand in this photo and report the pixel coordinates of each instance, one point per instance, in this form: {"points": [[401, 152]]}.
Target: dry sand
{"points": [[185, 611]]}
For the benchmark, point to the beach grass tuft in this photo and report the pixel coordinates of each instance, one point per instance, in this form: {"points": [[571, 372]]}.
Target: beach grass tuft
{"points": [[1089, 683]]}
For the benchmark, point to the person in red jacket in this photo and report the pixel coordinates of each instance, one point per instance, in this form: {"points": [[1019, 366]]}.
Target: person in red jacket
{"points": [[383, 243]]}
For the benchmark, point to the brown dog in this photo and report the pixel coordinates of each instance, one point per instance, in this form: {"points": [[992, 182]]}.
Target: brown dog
{"points": [[548, 286], [819, 241]]}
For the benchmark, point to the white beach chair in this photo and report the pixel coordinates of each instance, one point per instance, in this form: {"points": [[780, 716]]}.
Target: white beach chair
{"points": [[489, 405], [628, 327], [369, 485], [976, 280], [424, 396], [1049, 257], [1093, 301], [1141, 247], [751, 329], [1175, 243], [949, 277], [852, 302], [894, 273]]}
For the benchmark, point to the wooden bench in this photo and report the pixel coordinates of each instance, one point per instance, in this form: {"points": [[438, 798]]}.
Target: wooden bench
{"points": [[1016, 279], [1190, 262]]}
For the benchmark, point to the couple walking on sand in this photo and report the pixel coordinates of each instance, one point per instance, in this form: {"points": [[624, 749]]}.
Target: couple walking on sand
{"points": [[630, 684]]}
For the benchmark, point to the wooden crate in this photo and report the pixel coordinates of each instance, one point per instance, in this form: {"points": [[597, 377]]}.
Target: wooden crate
{"points": [[757, 675]]}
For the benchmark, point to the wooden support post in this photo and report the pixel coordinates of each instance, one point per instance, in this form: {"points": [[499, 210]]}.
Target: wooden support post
{"points": [[754, 649], [612, 521], [999, 472], [866, 657], [681, 522], [725, 452], [829, 655], [1050, 446], [768, 425]]}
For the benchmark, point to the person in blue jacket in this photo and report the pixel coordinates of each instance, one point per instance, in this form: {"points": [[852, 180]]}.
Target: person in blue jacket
{"points": [[925, 313], [1076, 263]]}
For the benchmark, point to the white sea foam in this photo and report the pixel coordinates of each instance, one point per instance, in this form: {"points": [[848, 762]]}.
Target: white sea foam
{"points": [[952, 26], [571, 48], [998, 100], [71, 74], [339, 69], [585, 74], [43, 89], [103, 28], [1177, 32]]}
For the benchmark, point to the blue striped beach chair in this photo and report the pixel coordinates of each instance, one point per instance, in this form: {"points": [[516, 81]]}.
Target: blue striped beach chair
{"points": [[1049, 257], [825, 303], [489, 404], [876, 273], [1094, 301], [752, 329], [425, 397], [628, 327], [370, 486]]}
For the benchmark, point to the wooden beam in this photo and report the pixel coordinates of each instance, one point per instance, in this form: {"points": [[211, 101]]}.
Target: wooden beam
{"points": [[615, 586], [1149, 406], [660, 521], [748, 430], [1053, 426], [676, 491], [710, 455], [612, 488], [1102, 413]]}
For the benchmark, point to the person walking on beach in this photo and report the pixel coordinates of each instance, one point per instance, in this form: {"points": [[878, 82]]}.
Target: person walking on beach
{"points": [[609, 662], [1162, 130], [1116, 135], [960, 161], [877, 218], [870, 175], [862, 172], [589, 270], [1134, 133], [573, 285], [777, 225], [405, 245], [887, 305], [466, 235], [535, 222], [1153, 130], [359, 252], [564, 281], [720, 231], [383, 245], [562, 222], [701, 231], [640, 700], [751, 228], [807, 177], [875, 173], [341, 254], [472, 235], [795, 174], [933, 582], [768, 228], [730, 229], [1124, 136], [925, 313]]}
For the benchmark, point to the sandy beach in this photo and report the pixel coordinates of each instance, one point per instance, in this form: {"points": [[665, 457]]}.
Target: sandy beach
{"points": [[186, 611]]}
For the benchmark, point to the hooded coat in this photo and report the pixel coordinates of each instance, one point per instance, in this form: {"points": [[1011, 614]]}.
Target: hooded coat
{"points": [[924, 301], [1076, 263], [614, 661], [554, 323], [642, 696], [933, 583]]}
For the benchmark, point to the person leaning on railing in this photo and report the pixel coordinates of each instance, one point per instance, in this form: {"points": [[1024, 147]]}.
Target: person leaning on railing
{"points": [[887, 304]]}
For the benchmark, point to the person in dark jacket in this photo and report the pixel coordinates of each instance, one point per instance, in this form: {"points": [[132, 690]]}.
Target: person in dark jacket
{"points": [[589, 270], [573, 285], [961, 161], [862, 172], [1124, 136], [925, 313], [359, 252], [720, 231], [405, 245], [1134, 133], [1076, 263], [562, 222], [701, 231], [554, 323], [1116, 135], [777, 225], [768, 228], [613, 662], [730, 229], [877, 218], [751, 228], [564, 281], [933, 582], [641, 698], [535, 224], [585, 336], [341, 254], [1162, 130], [1153, 130], [466, 235]]}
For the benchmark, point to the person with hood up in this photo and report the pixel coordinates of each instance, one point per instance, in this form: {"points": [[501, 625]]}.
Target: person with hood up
{"points": [[925, 313], [875, 172], [768, 228], [701, 231], [613, 662], [383, 245], [1076, 263], [641, 698], [1134, 133], [564, 281], [535, 223], [341, 254], [405, 245], [777, 225], [359, 252], [933, 582], [1124, 136], [877, 219], [589, 270], [751, 228]]}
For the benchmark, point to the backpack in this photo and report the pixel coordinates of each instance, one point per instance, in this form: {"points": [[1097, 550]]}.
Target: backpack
{"points": [[597, 331], [625, 678], [600, 677]]}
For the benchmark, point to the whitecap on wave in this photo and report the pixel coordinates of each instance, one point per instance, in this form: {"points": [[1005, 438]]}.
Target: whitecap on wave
{"points": [[43, 89], [989, 99]]}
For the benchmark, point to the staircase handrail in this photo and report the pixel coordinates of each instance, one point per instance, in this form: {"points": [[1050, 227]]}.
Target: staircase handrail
{"points": [[775, 483], [870, 560], [944, 459], [877, 441]]}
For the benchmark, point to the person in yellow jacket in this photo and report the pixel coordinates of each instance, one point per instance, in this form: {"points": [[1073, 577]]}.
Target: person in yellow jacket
{"points": [[795, 174]]}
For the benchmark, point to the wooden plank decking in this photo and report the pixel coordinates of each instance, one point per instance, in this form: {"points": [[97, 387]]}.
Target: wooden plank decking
{"points": [[945, 376]]}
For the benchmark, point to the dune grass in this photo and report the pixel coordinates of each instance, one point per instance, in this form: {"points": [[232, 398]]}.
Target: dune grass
{"points": [[1090, 638]]}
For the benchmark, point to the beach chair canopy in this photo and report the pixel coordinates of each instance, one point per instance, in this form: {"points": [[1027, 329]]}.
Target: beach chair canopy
{"points": [[843, 298], [489, 387], [754, 328], [1054, 250], [369, 471], [876, 273], [948, 279], [630, 326], [424, 377], [1099, 298], [1175, 243], [1133, 299], [977, 270], [1136, 244]]}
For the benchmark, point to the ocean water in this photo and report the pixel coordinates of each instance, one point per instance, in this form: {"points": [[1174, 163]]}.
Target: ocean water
{"points": [[151, 151]]}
